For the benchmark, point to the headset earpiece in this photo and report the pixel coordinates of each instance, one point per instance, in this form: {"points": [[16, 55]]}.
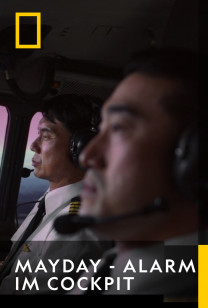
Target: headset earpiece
{"points": [[185, 165], [81, 137], [78, 141]]}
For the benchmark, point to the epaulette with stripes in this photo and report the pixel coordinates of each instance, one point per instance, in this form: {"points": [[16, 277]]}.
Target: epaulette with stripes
{"points": [[74, 205]]}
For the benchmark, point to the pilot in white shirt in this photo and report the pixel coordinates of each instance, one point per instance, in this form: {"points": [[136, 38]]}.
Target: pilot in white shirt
{"points": [[56, 154], [45, 243], [57, 202]]}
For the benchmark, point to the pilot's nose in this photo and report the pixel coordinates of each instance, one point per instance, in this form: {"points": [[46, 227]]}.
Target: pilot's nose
{"points": [[35, 146]]}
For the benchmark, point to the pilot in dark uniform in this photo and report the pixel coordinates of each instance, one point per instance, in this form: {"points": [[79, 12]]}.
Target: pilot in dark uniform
{"points": [[146, 151]]}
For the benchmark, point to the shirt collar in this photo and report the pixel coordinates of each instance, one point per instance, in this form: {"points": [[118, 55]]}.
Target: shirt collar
{"points": [[61, 196]]}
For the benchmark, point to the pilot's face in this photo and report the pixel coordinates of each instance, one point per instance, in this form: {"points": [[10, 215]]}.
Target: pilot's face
{"points": [[129, 161], [51, 160]]}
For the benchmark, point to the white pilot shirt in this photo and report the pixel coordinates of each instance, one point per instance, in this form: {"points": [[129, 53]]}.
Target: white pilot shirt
{"points": [[57, 203], [45, 243]]}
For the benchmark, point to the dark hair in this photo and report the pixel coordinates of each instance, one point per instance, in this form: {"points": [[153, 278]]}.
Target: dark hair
{"points": [[180, 66], [76, 112]]}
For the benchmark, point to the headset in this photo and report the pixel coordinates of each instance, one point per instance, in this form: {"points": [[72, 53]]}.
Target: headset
{"points": [[81, 137], [185, 173], [185, 163]]}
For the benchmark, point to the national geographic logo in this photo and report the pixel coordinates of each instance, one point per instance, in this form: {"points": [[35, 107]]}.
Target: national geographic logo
{"points": [[36, 44]]}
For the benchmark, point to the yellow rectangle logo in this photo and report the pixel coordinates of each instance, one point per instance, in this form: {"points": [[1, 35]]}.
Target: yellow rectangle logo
{"points": [[202, 276], [17, 30]]}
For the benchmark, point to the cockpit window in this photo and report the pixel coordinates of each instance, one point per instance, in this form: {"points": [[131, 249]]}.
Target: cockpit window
{"points": [[3, 125], [31, 188]]}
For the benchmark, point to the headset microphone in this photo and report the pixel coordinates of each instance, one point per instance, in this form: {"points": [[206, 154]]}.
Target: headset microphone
{"points": [[69, 224], [26, 172]]}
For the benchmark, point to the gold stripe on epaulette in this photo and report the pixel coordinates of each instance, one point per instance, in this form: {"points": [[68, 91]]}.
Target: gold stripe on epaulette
{"points": [[74, 207], [76, 210], [73, 212]]}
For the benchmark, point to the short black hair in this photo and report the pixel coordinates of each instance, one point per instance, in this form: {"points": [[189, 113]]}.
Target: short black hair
{"points": [[178, 65], [75, 112]]}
